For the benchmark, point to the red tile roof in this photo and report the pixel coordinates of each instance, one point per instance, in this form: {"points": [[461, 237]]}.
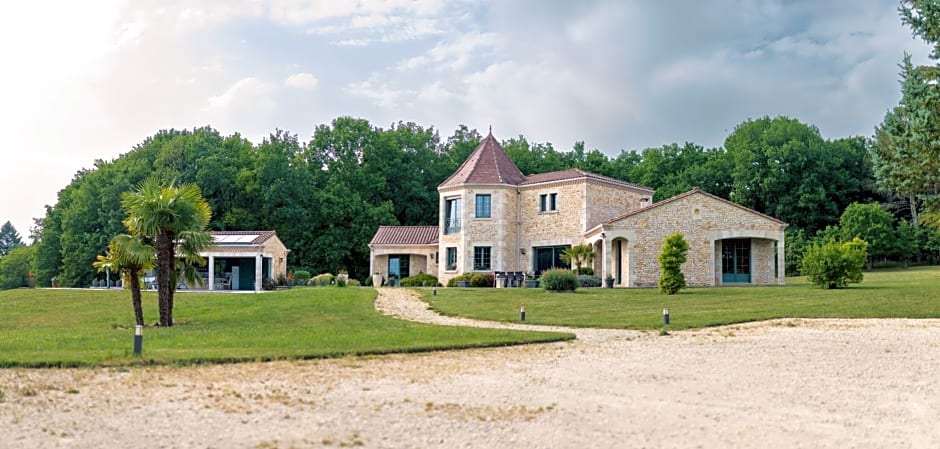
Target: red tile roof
{"points": [[261, 236], [488, 164], [686, 194], [405, 235], [575, 173]]}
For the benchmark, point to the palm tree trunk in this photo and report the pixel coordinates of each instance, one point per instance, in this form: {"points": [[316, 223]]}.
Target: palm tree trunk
{"points": [[135, 298], [164, 272]]}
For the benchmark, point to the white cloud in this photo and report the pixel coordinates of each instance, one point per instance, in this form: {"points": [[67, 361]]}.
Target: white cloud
{"points": [[301, 81]]}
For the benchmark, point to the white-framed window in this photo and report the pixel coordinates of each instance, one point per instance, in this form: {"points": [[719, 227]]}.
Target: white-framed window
{"points": [[451, 259], [548, 202], [481, 258]]}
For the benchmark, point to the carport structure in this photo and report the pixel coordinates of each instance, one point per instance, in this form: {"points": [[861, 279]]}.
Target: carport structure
{"points": [[241, 260]]}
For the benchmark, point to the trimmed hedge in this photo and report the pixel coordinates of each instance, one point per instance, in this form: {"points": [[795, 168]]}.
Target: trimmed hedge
{"points": [[559, 279], [321, 279], [301, 276]]}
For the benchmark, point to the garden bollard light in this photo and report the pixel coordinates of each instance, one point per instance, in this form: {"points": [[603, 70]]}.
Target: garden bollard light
{"points": [[435, 291], [138, 339], [522, 313], [665, 316]]}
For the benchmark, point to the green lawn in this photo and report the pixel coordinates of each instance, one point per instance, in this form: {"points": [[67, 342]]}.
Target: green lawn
{"points": [[94, 328], [911, 293]]}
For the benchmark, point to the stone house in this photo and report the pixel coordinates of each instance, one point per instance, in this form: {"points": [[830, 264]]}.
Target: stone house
{"points": [[241, 260], [492, 218]]}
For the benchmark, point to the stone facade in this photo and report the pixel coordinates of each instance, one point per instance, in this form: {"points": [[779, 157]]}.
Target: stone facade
{"points": [[705, 222], [543, 213]]}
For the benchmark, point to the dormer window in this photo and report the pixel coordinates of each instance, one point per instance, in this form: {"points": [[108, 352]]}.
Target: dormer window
{"points": [[548, 202]]}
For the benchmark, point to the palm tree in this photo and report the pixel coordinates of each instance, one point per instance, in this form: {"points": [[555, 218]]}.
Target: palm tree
{"points": [[129, 256], [578, 254], [175, 217]]}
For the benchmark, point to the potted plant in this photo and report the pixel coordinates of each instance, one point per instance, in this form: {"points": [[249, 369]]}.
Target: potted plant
{"points": [[377, 279], [609, 280], [342, 276]]}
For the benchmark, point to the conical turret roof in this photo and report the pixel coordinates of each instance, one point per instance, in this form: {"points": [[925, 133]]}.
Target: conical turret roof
{"points": [[488, 164]]}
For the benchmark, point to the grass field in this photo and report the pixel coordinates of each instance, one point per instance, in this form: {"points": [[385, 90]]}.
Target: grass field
{"points": [[896, 293], [41, 328]]}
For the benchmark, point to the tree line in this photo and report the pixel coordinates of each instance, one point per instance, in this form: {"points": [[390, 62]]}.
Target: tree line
{"points": [[326, 197]]}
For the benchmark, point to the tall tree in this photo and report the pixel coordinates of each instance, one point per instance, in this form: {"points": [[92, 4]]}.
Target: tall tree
{"points": [[129, 256], [785, 169], [175, 217], [15, 267], [9, 239], [871, 223]]}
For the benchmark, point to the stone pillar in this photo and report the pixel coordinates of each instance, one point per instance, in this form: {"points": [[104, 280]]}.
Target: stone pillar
{"points": [[211, 273], [258, 261], [781, 260]]}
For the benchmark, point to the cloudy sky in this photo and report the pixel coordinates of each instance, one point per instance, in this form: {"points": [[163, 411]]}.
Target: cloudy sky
{"points": [[88, 80]]}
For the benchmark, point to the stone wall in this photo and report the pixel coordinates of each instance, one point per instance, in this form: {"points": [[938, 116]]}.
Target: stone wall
{"points": [[606, 201], [565, 226]]}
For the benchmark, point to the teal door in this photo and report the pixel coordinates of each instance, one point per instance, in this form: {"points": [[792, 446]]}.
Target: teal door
{"points": [[398, 265], [736, 261]]}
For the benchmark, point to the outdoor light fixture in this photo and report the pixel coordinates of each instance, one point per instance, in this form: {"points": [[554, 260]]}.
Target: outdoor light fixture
{"points": [[138, 339], [603, 236], [665, 316], [435, 291], [522, 313]]}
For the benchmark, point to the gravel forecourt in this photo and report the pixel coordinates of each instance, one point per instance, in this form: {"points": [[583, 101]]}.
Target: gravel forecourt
{"points": [[775, 384]]}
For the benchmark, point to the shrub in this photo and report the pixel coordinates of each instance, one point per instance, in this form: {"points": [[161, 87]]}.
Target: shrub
{"points": [[671, 259], [352, 283], [589, 281], [835, 264], [419, 280], [586, 271], [454, 280], [281, 280], [475, 279], [268, 284], [559, 279], [367, 281], [482, 280], [301, 276], [341, 282], [322, 279]]}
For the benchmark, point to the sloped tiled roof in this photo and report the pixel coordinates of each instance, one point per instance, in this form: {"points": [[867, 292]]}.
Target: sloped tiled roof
{"points": [[575, 173], [488, 164], [405, 235], [686, 194], [259, 236]]}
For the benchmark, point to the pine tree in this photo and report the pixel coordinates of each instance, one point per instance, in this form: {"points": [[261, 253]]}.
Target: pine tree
{"points": [[9, 239]]}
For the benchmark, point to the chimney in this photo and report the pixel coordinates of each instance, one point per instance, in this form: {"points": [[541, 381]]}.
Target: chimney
{"points": [[644, 202]]}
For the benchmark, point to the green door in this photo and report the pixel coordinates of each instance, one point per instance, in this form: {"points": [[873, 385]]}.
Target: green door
{"points": [[736, 261]]}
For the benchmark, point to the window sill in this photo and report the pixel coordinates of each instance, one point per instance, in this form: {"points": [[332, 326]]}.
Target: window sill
{"points": [[548, 212]]}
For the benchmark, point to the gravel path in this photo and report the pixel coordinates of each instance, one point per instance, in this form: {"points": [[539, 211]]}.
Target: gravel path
{"points": [[777, 384]]}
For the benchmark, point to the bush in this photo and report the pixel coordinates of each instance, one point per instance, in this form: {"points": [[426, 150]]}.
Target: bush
{"points": [[341, 282], [419, 280], [301, 276], [352, 283], [559, 279], [368, 281], [268, 284], [322, 279], [589, 281], [834, 264], [454, 280], [475, 279], [281, 280], [671, 259], [482, 280], [586, 271]]}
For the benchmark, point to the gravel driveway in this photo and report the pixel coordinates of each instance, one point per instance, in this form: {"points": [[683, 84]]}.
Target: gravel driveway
{"points": [[783, 383]]}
